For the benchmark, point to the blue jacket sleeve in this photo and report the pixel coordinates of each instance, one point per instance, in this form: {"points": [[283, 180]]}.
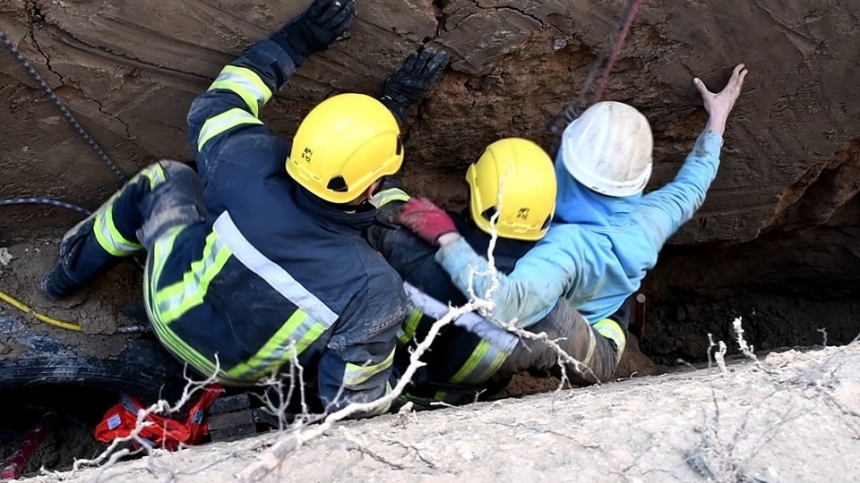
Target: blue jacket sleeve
{"points": [[527, 294], [357, 364], [662, 212], [230, 108]]}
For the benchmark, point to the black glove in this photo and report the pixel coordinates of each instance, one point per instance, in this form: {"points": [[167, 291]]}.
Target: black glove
{"points": [[413, 80], [316, 29]]}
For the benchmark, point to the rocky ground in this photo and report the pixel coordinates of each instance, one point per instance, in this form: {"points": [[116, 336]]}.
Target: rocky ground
{"points": [[794, 416]]}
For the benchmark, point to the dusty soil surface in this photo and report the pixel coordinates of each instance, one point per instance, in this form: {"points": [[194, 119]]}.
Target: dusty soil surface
{"points": [[792, 417], [98, 309]]}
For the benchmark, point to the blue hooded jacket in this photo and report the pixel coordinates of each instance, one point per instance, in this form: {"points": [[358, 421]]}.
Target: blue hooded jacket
{"points": [[597, 250]]}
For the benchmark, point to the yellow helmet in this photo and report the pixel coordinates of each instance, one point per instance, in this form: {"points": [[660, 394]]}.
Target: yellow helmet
{"points": [[343, 145], [528, 193]]}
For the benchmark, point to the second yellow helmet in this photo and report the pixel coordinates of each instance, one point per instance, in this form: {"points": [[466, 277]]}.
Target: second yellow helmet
{"points": [[524, 173]]}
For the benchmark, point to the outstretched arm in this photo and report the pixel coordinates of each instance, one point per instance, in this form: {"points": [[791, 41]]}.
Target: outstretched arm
{"points": [[232, 104], [524, 296], [665, 210]]}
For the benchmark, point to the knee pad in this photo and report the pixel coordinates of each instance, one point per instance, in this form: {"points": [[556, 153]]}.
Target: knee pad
{"points": [[176, 199]]}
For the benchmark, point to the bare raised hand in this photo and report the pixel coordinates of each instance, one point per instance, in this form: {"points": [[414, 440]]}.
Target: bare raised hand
{"points": [[719, 105]]}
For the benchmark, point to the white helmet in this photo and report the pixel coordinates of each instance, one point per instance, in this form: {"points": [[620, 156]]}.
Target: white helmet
{"points": [[608, 149]]}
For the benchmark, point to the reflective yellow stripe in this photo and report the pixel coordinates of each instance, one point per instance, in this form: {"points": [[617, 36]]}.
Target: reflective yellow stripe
{"points": [[385, 407], [246, 84], [387, 196], [154, 173], [275, 353], [110, 238], [160, 252], [611, 330], [173, 301], [107, 235], [224, 122], [484, 361], [355, 375], [410, 327], [296, 335]]}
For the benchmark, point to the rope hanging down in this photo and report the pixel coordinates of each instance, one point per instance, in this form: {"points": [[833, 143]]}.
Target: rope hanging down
{"points": [[4, 38], [607, 58]]}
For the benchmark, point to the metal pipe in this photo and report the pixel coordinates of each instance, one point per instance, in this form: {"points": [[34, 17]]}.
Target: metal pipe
{"points": [[18, 461]]}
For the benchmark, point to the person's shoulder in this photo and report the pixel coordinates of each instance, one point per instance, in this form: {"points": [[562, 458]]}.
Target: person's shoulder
{"points": [[563, 233], [373, 265]]}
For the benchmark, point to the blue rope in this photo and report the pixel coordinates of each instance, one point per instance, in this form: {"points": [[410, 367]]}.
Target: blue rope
{"points": [[38, 200]]}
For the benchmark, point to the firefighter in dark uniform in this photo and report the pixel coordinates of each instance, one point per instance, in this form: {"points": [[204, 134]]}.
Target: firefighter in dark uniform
{"points": [[257, 261]]}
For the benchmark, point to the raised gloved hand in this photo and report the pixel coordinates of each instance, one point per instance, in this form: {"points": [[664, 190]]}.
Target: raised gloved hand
{"points": [[425, 219], [414, 79], [316, 29]]}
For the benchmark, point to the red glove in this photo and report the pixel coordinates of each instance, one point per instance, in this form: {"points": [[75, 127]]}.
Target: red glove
{"points": [[427, 220]]}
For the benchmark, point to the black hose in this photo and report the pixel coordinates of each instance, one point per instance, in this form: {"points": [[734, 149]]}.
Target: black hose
{"points": [[62, 107], [38, 200]]}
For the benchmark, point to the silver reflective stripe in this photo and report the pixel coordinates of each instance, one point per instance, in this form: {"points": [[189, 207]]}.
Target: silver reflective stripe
{"points": [[498, 337], [271, 272], [224, 122], [105, 219]]}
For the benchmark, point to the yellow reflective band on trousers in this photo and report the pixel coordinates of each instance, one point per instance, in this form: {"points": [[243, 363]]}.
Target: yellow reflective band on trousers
{"points": [[482, 364], [109, 238], [610, 329], [246, 84], [355, 375], [281, 348], [160, 252], [107, 235], [222, 123], [170, 303], [175, 300], [410, 327], [387, 196], [385, 407]]}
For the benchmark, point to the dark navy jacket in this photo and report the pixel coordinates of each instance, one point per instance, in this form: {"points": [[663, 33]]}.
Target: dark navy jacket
{"points": [[286, 269]]}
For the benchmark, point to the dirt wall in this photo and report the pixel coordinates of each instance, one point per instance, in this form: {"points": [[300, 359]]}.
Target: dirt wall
{"points": [[779, 216]]}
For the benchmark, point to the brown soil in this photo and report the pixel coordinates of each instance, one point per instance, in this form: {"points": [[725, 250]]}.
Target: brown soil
{"points": [[97, 309]]}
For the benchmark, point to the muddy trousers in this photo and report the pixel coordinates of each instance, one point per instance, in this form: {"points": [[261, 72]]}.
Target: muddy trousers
{"points": [[583, 353], [590, 352], [162, 196]]}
